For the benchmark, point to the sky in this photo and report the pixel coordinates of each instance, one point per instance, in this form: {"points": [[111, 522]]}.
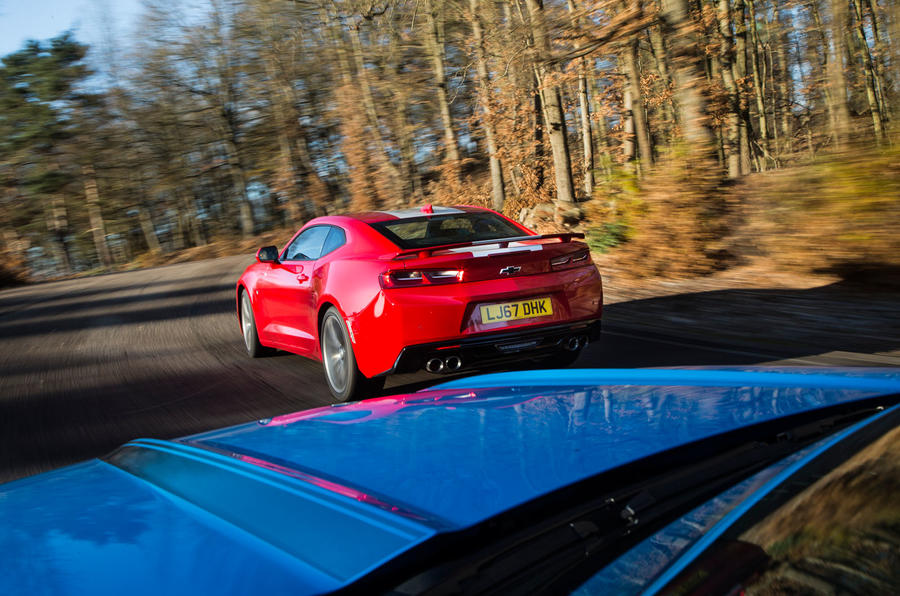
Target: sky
{"points": [[21, 20]]}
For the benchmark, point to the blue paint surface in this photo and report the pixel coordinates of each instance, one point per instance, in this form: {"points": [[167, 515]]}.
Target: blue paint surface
{"points": [[307, 502], [459, 455], [94, 529]]}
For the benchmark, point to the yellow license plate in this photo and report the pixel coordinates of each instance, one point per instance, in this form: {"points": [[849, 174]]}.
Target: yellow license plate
{"points": [[511, 311]]}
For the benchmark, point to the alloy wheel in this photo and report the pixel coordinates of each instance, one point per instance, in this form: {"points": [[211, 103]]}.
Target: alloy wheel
{"points": [[335, 354], [247, 322]]}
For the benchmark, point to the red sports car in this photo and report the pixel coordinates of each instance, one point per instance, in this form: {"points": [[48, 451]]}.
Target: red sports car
{"points": [[441, 289]]}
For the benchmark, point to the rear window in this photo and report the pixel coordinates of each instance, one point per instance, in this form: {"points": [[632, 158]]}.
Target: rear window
{"points": [[437, 230]]}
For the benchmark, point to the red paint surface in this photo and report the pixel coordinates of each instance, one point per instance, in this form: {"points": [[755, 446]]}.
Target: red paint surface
{"points": [[288, 298]]}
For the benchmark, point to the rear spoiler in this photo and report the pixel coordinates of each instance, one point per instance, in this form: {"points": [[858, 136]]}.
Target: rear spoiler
{"points": [[501, 242]]}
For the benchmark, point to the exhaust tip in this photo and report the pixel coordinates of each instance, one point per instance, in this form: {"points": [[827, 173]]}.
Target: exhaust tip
{"points": [[573, 343], [583, 339], [435, 365], [453, 363]]}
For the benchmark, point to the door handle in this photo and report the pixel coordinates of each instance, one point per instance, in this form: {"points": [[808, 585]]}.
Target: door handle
{"points": [[302, 277]]}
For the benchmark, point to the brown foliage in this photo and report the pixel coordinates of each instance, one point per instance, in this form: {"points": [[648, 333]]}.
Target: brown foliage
{"points": [[13, 271], [366, 174], [460, 183], [838, 213], [679, 212]]}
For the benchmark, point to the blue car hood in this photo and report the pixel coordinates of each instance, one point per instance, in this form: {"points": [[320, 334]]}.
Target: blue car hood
{"points": [[310, 501], [468, 450]]}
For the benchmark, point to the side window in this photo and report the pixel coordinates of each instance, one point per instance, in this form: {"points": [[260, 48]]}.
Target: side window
{"points": [[308, 245], [336, 239]]}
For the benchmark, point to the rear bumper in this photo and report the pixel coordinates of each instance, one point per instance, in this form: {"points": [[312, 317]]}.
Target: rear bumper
{"points": [[492, 349], [413, 320]]}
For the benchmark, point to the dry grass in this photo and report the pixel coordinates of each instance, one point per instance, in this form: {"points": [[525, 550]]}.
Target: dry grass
{"points": [[12, 270], [836, 214], [676, 218], [839, 213]]}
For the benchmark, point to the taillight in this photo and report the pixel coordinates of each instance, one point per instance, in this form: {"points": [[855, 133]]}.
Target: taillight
{"points": [[402, 278], [445, 275], [570, 260], [405, 277]]}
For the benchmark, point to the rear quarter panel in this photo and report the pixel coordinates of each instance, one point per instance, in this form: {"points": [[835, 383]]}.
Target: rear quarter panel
{"points": [[348, 279]]}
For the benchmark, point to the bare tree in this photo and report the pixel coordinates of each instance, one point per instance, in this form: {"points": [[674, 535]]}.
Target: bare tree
{"points": [[552, 104], [498, 190]]}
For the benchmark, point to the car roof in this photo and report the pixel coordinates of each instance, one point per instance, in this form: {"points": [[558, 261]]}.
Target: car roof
{"points": [[318, 499], [389, 215]]}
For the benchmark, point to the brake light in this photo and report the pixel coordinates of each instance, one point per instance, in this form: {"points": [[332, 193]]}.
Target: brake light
{"points": [[402, 278], [570, 259]]}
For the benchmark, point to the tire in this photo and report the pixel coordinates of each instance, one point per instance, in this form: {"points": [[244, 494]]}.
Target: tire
{"points": [[344, 380], [248, 330]]}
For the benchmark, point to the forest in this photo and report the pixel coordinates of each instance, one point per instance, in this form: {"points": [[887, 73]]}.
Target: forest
{"points": [[676, 132]]}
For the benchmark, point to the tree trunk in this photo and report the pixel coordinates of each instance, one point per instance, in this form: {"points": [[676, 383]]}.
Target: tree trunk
{"points": [[226, 96], [435, 45], [498, 191], [239, 176], [412, 186], [880, 58], [740, 64], [58, 224], [641, 127], [603, 140], [287, 175], [189, 224], [553, 111], [98, 226], [667, 110], [539, 124], [628, 142], [365, 86], [726, 56], [759, 89], [894, 57], [145, 220], [834, 125], [836, 77], [587, 135], [584, 106], [785, 86], [869, 69], [687, 75], [286, 178], [148, 229], [401, 92]]}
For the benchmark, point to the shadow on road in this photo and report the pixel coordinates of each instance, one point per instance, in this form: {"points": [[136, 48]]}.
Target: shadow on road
{"points": [[114, 312], [23, 296], [772, 324], [60, 405], [48, 429]]}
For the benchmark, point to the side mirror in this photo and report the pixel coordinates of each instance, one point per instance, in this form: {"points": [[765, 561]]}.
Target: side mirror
{"points": [[267, 254]]}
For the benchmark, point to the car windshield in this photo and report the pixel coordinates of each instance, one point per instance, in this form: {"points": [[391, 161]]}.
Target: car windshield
{"points": [[437, 230]]}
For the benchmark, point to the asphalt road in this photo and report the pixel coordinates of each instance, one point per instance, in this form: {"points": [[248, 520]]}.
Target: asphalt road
{"points": [[91, 363]]}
